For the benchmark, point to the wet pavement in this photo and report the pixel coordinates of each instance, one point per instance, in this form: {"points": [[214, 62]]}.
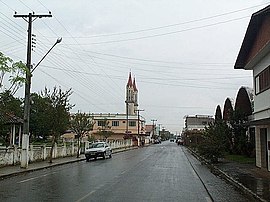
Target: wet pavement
{"points": [[251, 178], [164, 172], [255, 179]]}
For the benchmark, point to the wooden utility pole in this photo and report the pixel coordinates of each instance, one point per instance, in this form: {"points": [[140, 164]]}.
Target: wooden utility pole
{"points": [[29, 18], [154, 127], [139, 110]]}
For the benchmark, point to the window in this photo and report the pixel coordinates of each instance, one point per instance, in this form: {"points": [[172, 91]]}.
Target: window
{"points": [[115, 123], [262, 81], [101, 123], [132, 123], [204, 122]]}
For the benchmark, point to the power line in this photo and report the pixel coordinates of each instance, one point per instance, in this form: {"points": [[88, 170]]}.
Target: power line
{"points": [[166, 26], [162, 34], [151, 60]]}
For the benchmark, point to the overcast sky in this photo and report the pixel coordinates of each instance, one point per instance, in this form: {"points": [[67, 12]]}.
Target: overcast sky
{"points": [[181, 53]]}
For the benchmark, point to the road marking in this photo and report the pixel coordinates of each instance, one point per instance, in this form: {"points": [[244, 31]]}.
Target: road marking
{"points": [[87, 195], [29, 179], [208, 199], [33, 178], [123, 172]]}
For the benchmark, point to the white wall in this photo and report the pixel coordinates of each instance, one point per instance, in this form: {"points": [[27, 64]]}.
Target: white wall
{"points": [[12, 155], [262, 100]]}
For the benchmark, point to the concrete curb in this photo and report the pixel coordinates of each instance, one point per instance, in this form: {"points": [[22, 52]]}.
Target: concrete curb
{"points": [[215, 170], [53, 164], [235, 183]]}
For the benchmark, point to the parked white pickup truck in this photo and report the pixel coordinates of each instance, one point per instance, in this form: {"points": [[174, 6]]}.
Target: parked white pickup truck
{"points": [[98, 149]]}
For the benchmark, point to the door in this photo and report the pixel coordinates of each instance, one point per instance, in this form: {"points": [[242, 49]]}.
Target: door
{"points": [[264, 149]]}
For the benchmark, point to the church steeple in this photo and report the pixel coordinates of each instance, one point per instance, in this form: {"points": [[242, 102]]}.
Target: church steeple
{"points": [[131, 96], [129, 83], [135, 95], [134, 85]]}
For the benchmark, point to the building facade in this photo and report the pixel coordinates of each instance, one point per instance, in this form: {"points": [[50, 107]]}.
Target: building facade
{"points": [[194, 126], [255, 55], [121, 126]]}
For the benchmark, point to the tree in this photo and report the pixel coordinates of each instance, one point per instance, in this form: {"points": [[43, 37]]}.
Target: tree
{"points": [[10, 104], [218, 115], [213, 145], [40, 124], [14, 70], [58, 113], [81, 123], [239, 126], [105, 130]]}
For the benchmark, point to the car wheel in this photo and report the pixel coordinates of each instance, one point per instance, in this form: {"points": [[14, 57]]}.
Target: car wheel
{"points": [[87, 159], [104, 155], [110, 156]]}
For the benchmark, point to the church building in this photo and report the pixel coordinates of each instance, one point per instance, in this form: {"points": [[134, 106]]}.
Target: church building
{"points": [[128, 125]]}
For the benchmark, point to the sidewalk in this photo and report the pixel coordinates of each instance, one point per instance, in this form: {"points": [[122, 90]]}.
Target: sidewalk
{"points": [[246, 177], [9, 171]]}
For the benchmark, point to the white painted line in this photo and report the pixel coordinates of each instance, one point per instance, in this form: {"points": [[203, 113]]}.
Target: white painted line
{"points": [[33, 178], [87, 195], [29, 179]]}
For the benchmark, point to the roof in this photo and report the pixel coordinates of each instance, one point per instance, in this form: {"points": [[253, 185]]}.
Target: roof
{"points": [[10, 119], [134, 85], [129, 83], [100, 116], [253, 29]]}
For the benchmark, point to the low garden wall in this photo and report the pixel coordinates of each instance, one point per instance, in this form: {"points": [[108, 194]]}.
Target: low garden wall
{"points": [[12, 155]]}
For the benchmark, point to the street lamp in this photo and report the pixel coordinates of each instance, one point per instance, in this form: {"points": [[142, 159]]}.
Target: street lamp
{"points": [[26, 114], [57, 41]]}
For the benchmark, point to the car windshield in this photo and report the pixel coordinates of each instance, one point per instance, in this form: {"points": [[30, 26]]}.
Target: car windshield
{"points": [[97, 145]]}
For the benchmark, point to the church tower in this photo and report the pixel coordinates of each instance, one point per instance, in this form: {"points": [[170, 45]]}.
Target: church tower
{"points": [[131, 96], [135, 96]]}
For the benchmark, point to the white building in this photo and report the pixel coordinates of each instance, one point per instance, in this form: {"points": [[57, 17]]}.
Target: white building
{"points": [[255, 55]]}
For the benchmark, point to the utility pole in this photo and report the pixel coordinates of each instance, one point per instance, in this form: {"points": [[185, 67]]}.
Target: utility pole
{"points": [[154, 127], [139, 110], [127, 134], [159, 128], [29, 18]]}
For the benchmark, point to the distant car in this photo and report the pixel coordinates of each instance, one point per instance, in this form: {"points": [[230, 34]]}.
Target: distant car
{"points": [[171, 140], [98, 149], [157, 141], [180, 142]]}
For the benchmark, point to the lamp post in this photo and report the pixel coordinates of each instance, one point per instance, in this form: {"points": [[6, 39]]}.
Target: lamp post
{"points": [[26, 114]]}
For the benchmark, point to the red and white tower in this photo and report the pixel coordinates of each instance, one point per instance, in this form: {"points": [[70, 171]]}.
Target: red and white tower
{"points": [[131, 96]]}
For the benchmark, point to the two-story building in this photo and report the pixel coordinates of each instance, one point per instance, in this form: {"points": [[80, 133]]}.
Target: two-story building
{"points": [[117, 124], [129, 125], [254, 55], [194, 126]]}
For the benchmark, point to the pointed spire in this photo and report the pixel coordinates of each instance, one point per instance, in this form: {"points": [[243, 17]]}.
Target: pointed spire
{"points": [[134, 85], [129, 83]]}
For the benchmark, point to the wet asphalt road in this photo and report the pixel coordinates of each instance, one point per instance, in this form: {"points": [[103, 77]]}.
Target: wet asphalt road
{"points": [[164, 172]]}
